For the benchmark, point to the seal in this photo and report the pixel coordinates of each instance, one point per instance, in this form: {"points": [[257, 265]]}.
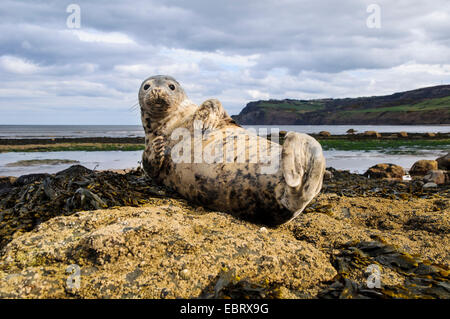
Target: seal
{"points": [[202, 154]]}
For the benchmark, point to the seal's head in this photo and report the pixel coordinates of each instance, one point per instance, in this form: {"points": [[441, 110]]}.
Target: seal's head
{"points": [[159, 95]]}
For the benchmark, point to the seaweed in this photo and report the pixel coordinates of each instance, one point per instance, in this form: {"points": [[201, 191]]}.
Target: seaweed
{"points": [[33, 199], [422, 279], [228, 285]]}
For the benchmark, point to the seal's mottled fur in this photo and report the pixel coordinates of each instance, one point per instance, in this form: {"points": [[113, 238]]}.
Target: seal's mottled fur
{"points": [[236, 187]]}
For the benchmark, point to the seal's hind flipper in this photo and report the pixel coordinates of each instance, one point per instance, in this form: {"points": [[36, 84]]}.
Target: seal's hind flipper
{"points": [[303, 166]]}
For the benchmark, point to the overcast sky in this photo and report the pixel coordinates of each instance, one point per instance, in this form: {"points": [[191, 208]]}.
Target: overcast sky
{"points": [[236, 51]]}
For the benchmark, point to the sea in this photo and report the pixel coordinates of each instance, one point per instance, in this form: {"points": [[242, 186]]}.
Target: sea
{"points": [[354, 161]]}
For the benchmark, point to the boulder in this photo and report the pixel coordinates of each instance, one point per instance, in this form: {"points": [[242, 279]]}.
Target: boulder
{"points": [[324, 133], [351, 131], [168, 250], [430, 134], [385, 170], [435, 176], [430, 185], [422, 167], [372, 134], [402, 134], [327, 175], [444, 162]]}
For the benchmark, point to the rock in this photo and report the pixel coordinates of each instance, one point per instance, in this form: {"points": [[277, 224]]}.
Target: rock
{"points": [[429, 185], [444, 162], [351, 131], [174, 240], [324, 133], [327, 175], [34, 199], [421, 167], [372, 134], [7, 180], [75, 171], [6, 183], [430, 134], [185, 274], [30, 178], [402, 134], [385, 170], [166, 248], [435, 176]]}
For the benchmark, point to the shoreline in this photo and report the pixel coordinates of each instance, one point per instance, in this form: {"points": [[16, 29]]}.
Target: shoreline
{"points": [[360, 141]]}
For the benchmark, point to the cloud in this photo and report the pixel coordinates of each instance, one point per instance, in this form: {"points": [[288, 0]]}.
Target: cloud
{"points": [[106, 37], [17, 65], [232, 50]]}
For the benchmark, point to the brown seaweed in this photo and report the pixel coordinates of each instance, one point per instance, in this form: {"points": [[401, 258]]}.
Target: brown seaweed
{"points": [[422, 279], [33, 199]]}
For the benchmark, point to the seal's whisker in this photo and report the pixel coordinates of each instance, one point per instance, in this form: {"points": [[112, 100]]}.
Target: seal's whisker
{"points": [[134, 107]]}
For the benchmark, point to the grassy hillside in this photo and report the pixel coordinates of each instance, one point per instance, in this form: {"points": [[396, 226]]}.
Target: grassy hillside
{"points": [[421, 106], [427, 105]]}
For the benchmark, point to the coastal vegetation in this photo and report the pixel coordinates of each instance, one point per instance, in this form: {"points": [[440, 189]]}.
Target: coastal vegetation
{"points": [[342, 143], [429, 105], [89, 147]]}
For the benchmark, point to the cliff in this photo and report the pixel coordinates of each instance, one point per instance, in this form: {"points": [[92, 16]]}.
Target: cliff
{"points": [[429, 105]]}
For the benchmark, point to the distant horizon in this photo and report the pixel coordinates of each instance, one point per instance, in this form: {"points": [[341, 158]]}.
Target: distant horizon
{"points": [[287, 98]]}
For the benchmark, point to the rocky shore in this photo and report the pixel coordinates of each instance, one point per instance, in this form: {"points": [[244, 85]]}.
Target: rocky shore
{"points": [[130, 238], [352, 140]]}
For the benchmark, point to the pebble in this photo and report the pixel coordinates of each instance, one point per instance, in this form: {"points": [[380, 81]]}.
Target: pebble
{"points": [[185, 274], [429, 185]]}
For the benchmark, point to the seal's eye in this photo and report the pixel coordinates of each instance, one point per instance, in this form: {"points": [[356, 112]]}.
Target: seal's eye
{"points": [[172, 87], [146, 86]]}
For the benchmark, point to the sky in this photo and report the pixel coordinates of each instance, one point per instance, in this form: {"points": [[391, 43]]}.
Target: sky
{"points": [[54, 70]]}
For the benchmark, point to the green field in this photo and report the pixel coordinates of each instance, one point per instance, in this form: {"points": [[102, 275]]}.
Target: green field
{"points": [[428, 105], [386, 146], [296, 106], [311, 106]]}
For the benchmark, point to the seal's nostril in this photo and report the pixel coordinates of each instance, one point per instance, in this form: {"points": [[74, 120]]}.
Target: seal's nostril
{"points": [[156, 91]]}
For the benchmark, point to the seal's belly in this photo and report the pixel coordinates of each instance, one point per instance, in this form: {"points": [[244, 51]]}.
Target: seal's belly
{"points": [[243, 176]]}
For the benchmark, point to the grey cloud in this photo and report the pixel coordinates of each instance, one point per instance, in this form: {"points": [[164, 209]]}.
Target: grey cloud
{"points": [[303, 48]]}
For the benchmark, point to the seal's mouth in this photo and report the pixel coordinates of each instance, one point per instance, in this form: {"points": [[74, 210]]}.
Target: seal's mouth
{"points": [[157, 98], [156, 103]]}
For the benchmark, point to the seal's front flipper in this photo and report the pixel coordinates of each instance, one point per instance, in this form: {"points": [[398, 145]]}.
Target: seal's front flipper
{"points": [[155, 155], [303, 166], [211, 114]]}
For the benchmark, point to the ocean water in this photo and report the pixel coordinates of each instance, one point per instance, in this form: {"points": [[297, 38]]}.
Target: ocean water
{"points": [[52, 131], [92, 160], [355, 161]]}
